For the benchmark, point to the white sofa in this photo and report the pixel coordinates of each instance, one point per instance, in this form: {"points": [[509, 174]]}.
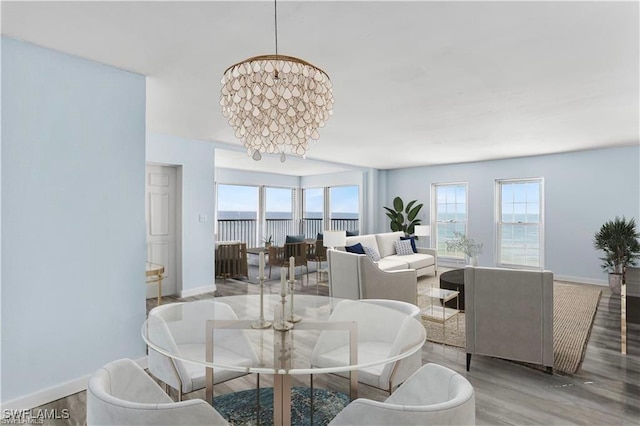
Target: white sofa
{"points": [[356, 276], [424, 262]]}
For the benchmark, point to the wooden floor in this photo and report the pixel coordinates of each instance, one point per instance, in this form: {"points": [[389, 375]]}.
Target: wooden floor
{"points": [[605, 391]]}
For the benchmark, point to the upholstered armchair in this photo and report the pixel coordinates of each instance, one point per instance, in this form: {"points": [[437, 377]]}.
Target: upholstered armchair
{"points": [[632, 276], [352, 276], [382, 332], [509, 314], [434, 395], [121, 393], [186, 334]]}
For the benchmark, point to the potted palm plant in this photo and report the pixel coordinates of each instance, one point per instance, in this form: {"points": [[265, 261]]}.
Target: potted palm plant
{"points": [[618, 240]]}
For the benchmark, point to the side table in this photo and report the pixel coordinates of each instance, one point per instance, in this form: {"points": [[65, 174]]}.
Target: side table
{"points": [[454, 280], [437, 313]]}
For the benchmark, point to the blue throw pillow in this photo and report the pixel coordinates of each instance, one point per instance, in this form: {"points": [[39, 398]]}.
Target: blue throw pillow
{"points": [[413, 243], [294, 239], [356, 248]]}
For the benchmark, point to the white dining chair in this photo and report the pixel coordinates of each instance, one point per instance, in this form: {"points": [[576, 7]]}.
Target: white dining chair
{"points": [[122, 393], [186, 336], [405, 307], [382, 333], [434, 395]]}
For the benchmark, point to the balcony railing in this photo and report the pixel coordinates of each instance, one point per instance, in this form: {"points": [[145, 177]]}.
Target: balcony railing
{"points": [[245, 230]]}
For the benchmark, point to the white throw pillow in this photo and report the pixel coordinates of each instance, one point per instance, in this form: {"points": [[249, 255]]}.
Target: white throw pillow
{"points": [[403, 247], [372, 253]]}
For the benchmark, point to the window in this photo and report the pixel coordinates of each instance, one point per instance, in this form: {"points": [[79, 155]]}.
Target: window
{"points": [[279, 214], [345, 210], [450, 203], [237, 213], [520, 222], [313, 211]]}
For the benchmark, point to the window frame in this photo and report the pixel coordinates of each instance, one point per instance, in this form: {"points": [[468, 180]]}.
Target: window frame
{"points": [[499, 222], [434, 216]]}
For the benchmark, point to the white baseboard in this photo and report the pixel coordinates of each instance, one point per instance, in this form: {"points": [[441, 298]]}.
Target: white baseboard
{"points": [[54, 393], [580, 280], [198, 290]]}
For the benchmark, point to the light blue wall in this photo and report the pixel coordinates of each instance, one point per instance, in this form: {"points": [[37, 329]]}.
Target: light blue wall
{"points": [[582, 191], [197, 170], [249, 178], [72, 217]]}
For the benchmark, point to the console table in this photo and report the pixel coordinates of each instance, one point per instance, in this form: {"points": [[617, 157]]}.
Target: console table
{"points": [[155, 273]]}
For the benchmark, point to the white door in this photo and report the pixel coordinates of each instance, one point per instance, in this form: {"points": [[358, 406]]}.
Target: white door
{"points": [[160, 207]]}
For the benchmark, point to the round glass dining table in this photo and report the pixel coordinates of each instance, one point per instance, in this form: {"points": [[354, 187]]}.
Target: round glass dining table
{"points": [[273, 352]]}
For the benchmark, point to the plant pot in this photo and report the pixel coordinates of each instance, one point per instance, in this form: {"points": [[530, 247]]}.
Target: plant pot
{"points": [[615, 283], [472, 260]]}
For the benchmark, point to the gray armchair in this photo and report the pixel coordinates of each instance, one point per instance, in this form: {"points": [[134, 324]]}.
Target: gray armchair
{"points": [[509, 314], [121, 393], [354, 276]]}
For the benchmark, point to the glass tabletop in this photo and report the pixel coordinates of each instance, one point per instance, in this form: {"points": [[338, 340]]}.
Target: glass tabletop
{"points": [[153, 268], [179, 330], [440, 293]]}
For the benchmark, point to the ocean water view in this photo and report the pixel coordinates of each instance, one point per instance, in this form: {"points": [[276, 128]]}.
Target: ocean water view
{"points": [[252, 215]]}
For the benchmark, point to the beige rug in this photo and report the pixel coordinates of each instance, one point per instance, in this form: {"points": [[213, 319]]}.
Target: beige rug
{"points": [[574, 309]]}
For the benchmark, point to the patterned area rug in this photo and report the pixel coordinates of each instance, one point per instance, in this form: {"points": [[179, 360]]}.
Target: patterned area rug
{"points": [[239, 408], [574, 310]]}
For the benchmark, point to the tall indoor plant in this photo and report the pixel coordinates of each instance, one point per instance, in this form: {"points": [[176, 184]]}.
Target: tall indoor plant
{"points": [[618, 239], [397, 215]]}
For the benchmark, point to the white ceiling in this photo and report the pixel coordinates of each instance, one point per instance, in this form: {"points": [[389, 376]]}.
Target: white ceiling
{"points": [[415, 83]]}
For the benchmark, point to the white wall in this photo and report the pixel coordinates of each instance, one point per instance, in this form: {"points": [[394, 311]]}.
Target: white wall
{"points": [[197, 170], [73, 294], [582, 191]]}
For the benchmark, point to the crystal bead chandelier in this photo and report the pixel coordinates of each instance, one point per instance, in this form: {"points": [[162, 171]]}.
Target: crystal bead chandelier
{"points": [[276, 103]]}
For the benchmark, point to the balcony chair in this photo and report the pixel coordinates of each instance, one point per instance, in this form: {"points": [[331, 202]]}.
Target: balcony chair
{"points": [[317, 253], [381, 332], [231, 260], [279, 256], [187, 336], [121, 393], [433, 395]]}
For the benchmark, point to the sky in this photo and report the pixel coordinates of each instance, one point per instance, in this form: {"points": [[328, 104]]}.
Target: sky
{"points": [[344, 199]]}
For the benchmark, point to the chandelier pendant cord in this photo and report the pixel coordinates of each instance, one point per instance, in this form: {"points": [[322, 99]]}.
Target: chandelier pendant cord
{"points": [[276, 103], [275, 19]]}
